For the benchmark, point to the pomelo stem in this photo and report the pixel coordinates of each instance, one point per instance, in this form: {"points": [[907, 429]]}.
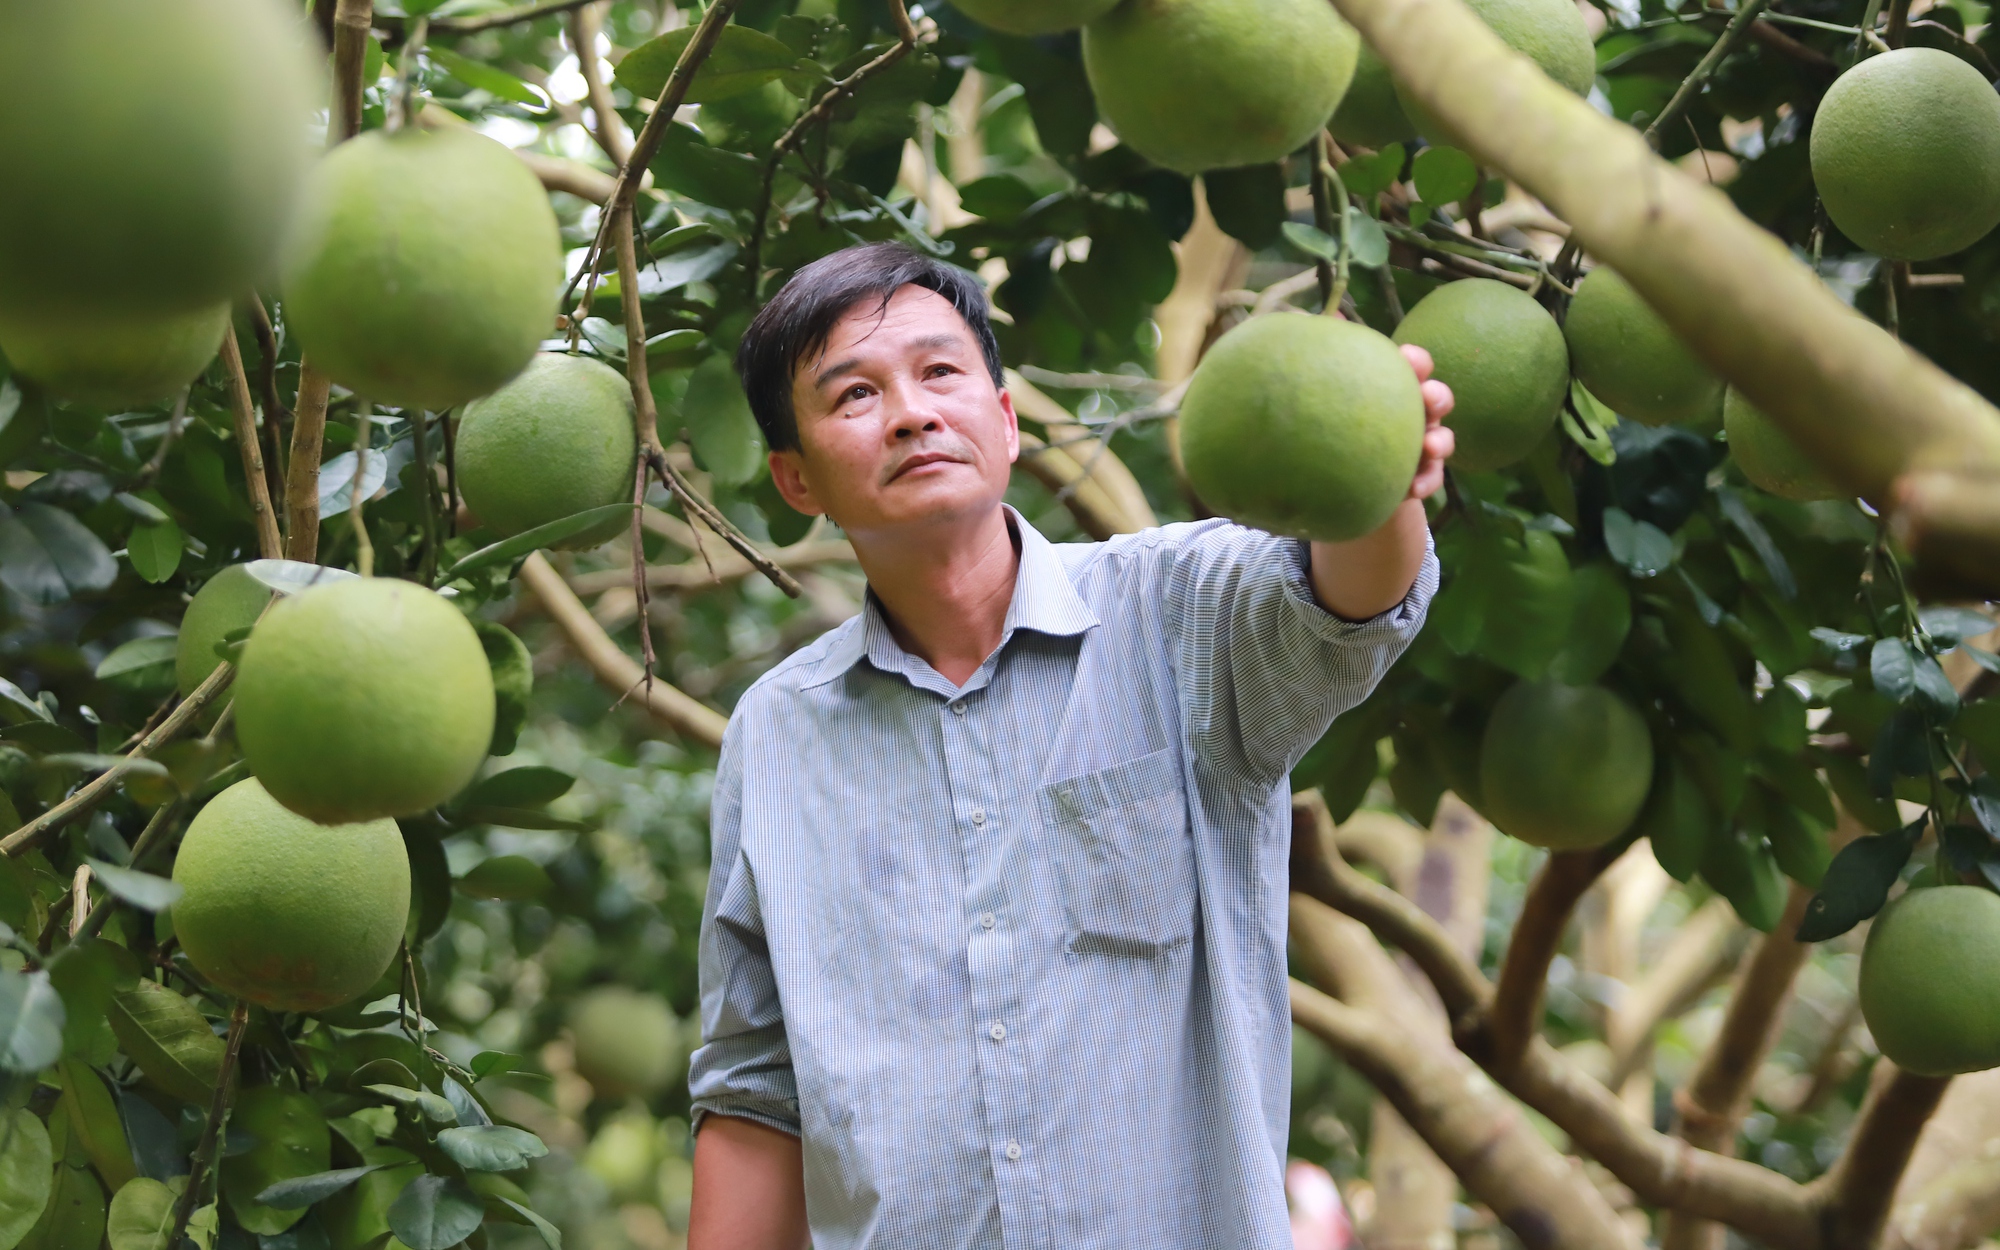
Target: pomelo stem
{"points": [[364, 432], [211, 1132]]}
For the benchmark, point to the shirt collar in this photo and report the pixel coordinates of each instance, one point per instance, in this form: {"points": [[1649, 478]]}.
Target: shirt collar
{"points": [[1045, 601]]}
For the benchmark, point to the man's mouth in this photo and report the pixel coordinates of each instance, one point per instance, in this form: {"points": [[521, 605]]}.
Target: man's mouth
{"points": [[921, 459]]}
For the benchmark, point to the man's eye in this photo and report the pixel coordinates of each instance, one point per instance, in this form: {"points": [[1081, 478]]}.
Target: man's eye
{"points": [[855, 394], [938, 371]]}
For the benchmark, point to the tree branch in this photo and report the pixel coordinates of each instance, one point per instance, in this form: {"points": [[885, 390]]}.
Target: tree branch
{"points": [[1552, 896], [275, 412], [302, 483], [473, 25], [350, 49], [721, 568], [586, 24], [1090, 453], [617, 671], [211, 1130], [821, 110], [248, 445], [1712, 1104], [1691, 86], [1863, 407], [1856, 1194], [1950, 522], [29, 835]]}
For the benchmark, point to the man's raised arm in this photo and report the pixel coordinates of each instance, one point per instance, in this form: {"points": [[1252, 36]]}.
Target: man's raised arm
{"points": [[749, 1188]]}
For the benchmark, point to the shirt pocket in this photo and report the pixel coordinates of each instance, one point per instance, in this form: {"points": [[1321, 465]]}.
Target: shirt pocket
{"points": [[1124, 858]]}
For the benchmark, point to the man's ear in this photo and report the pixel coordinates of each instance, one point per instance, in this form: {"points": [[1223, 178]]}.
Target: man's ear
{"points": [[1013, 426], [788, 475]]}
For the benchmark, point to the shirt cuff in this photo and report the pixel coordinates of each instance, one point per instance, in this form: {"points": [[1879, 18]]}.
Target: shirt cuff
{"points": [[1405, 618], [783, 1116]]}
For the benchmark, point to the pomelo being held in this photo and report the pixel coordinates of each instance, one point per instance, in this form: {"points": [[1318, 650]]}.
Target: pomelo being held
{"points": [[1906, 154], [1306, 426], [1505, 360], [1551, 33], [1930, 980], [1768, 456], [364, 698], [626, 1042], [229, 601], [114, 359], [425, 268], [1034, 17], [1215, 84], [292, 915], [1370, 114], [553, 442], [1628, 358], [152, 151], [1565, 767]]}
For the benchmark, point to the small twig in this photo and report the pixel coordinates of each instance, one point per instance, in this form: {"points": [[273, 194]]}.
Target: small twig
{"points": [[586, 24], [1091, 381], [821, 110], [364, 433], [79, 908], [708, 514], [176, 422], [1732, 35], [1868, 17], [405, 93], [427, 475], [269, 545], [1899, 23], [149, 838], [350, 49], [275, 411], [302, 482], [450, 477], [211, 1132], [1323, 211], [28, 835], [489, 21]]}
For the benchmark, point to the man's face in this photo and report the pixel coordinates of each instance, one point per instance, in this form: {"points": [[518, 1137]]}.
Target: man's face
{"points": [[899, 422]]}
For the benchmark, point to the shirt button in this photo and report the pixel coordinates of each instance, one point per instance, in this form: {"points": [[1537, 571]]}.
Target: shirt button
{"points": [[1013, 1150], [978, 815], [958, 706], [987, 920], [998, 1032]]}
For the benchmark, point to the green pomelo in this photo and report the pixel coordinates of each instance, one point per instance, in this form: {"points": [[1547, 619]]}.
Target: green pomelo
{"points": [[1551, 33], [555, 441], [231, 600], [1630, 360], [362, 699], [113, 360], [292, 915], [1217, 84], [1565, 767], [425, 268], [626, 1042], [1906, 154], [1034, 17], [1929, 987], [1371, 115], [1306, 426], [625, 1154], [1506, 363], [1768, 456], [152, 151], [289, 1139]]}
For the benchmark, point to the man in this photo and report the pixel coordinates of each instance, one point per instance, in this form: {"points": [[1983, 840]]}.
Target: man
{"points": [[994, 947]]}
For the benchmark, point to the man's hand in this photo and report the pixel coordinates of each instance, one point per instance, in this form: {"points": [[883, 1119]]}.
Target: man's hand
{"points": [[1365, 578], [1439, 442], [749, 1188]]}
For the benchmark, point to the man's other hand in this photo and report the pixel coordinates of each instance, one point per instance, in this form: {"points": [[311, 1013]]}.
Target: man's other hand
{"points": [[1439, 441]]}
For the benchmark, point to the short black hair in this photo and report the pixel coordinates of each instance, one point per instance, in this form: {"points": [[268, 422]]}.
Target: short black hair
{"points": [[798, 320]]}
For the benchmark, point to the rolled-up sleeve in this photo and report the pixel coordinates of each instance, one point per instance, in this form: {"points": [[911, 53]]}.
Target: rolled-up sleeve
{"points": [[1262, 668], [744, 1065]]}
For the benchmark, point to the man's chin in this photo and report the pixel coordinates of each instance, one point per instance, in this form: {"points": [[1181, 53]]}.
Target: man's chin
{"points": [[928, 497]]}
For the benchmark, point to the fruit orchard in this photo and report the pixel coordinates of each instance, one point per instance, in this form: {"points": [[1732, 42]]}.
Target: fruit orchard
{"points": [[385, 536]]}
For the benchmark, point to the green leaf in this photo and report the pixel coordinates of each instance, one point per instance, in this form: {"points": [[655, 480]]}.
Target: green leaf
{"points": [[1372, 174], [1856, 885], [1892, 667], [550, 1236], [490, 1147], [720, 427], [1529, 608], [1600, 618], [169, 1041], [1371, 246], [1743, 870], [497, 1063], [142, 1214], [432, 1107], [436, 1212], [74, 1218], [1676, 821], [31, 1022], [1642, 547], [743, 60], [1443, 175], [430, 881], [1949, 627], [303, 1191], [1850, 783], [509, 550], [487, 78], [141, 661], [1588, 424], [141, 889], [519, 818], [1247, 203], [47, 555], [94, 1122], [513, 878], [513, 672], [1311, 240], [533, 786], [155, 550], [290, 1140], [27, 1171]]}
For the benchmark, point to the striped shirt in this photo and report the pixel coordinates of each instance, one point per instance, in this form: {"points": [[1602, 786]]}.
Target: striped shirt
{"points": [[1010, 957]]}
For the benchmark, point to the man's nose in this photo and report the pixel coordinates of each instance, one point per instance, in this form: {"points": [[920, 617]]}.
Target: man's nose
{"points": [[910, 412]]}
